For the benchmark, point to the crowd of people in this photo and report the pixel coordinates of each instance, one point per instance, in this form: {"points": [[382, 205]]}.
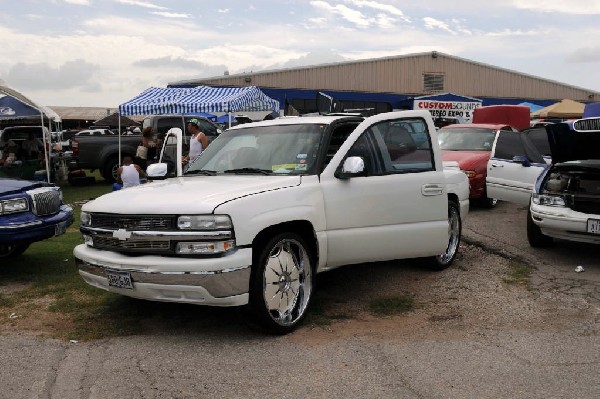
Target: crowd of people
{"points": [[133, 170], [12, 154]]}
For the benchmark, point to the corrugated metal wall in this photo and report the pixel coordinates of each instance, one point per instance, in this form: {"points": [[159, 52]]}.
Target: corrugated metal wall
{"points": [[404, 75]]}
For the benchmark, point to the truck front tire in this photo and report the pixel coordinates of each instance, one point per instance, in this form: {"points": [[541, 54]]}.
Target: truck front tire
{"points": [[282, 283]]}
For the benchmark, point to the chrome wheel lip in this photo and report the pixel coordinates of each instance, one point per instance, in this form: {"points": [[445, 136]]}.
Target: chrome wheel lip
{"points": [[287, 282], [453, 236]]}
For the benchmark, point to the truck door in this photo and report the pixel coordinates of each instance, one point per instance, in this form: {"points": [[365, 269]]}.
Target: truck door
{"points": [[398, 206], [513, 168], [172, 152]]}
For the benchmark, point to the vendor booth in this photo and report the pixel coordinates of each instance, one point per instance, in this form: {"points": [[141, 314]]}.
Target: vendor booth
{"points": [[15, 106], [197, 100], [564, 109]]}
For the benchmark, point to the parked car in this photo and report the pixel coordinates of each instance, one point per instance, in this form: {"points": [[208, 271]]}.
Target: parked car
{"points": [[95, 132], [29, 212], [563, 197], [471, 146], [269, 205]]}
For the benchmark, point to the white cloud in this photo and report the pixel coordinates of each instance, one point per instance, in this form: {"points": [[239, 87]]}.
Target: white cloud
{"points": [[587, 7], [170, 14], [78, 2], [143, 4], [432, 23], [382, 7], [350, 15]]}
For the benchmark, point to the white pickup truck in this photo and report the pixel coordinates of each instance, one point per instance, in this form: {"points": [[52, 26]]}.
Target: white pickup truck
{"points": [[271, 204]]}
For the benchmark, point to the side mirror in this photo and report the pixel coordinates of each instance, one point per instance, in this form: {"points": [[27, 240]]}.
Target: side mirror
{"points": [[157, 171], [352, 166], [521, 159]]}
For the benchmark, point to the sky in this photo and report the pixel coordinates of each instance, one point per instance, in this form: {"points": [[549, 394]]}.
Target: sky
{"points": [[101, 53]]}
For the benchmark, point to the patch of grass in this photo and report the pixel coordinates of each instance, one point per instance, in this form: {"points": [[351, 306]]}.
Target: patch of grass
{"points": [[519, 273], [392, 305], [52, 289]]}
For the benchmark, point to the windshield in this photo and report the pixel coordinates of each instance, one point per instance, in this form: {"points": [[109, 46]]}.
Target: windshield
{"points": [[281, 149], [469, 139]]}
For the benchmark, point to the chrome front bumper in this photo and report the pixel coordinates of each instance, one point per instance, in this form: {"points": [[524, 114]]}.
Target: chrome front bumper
{"points": [[220, 281]]}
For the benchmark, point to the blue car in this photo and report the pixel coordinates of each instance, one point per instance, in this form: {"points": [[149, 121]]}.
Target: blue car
{"points": [[30, 211]]}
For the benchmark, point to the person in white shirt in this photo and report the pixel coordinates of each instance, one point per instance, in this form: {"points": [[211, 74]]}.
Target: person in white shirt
{"points": [[130, 173], [198, 141]]}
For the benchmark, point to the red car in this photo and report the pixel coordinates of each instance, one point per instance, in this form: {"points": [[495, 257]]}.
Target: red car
{"points": [[471, 146]]}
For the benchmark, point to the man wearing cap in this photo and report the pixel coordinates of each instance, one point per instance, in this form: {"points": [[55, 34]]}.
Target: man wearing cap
{"points": [[198, 141]]}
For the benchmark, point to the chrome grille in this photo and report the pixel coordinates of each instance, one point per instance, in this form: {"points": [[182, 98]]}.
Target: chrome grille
{"points": [[582, 125], [113, 243], [145, 223], [46, 200]]}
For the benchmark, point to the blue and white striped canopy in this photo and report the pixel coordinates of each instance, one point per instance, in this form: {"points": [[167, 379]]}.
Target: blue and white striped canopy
{"points": [[191, 100]]}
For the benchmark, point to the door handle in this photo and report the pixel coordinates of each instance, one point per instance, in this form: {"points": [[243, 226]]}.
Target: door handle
{"points": [[432, 189], [497, 165]]}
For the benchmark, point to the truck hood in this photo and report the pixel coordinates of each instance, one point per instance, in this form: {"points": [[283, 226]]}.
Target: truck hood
{"points": [[192, 194], [570, 145], [467, 160]]}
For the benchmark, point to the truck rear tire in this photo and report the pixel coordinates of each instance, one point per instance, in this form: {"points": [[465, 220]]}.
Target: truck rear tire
{"points": [[109, 171], [443, 261]]}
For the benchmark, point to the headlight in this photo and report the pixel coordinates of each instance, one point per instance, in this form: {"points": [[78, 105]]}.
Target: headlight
{"points": [[13, 206], [548, 200], [204, 222], [85, 219], [208, 248]]}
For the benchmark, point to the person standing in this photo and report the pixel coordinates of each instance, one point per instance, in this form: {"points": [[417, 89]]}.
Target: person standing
{"points": [[148, 156], [198, 141], [31, 146], [129, 174]]}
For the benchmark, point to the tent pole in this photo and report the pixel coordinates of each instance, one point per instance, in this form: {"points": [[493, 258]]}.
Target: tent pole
{"points": [[119, 118], [45, 148]]}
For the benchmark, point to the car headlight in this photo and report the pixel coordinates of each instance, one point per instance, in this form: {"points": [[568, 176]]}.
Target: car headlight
{"points": [[204, 222], [548, 200], [14, 205], [85, 219]]}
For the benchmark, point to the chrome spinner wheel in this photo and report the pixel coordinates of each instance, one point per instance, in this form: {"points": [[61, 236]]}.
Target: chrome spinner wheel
{"points": [[282, 284]]}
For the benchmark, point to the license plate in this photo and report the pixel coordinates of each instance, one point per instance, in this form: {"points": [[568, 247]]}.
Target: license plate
{"points": [[119, 279], [593, 226], [60, 228]]}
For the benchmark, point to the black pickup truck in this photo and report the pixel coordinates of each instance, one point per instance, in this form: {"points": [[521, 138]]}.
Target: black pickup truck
{"points": [[101, 152]]}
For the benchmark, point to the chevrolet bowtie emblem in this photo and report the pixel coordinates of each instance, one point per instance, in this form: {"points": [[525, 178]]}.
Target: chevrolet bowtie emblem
{"points": [[121, 234]]}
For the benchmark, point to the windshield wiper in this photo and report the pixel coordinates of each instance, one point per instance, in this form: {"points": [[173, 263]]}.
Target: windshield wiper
{"points": [[250, 171], [205, 172]]}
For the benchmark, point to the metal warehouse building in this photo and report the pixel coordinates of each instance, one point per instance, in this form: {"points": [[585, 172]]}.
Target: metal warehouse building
{"points": [[393, 82]]}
